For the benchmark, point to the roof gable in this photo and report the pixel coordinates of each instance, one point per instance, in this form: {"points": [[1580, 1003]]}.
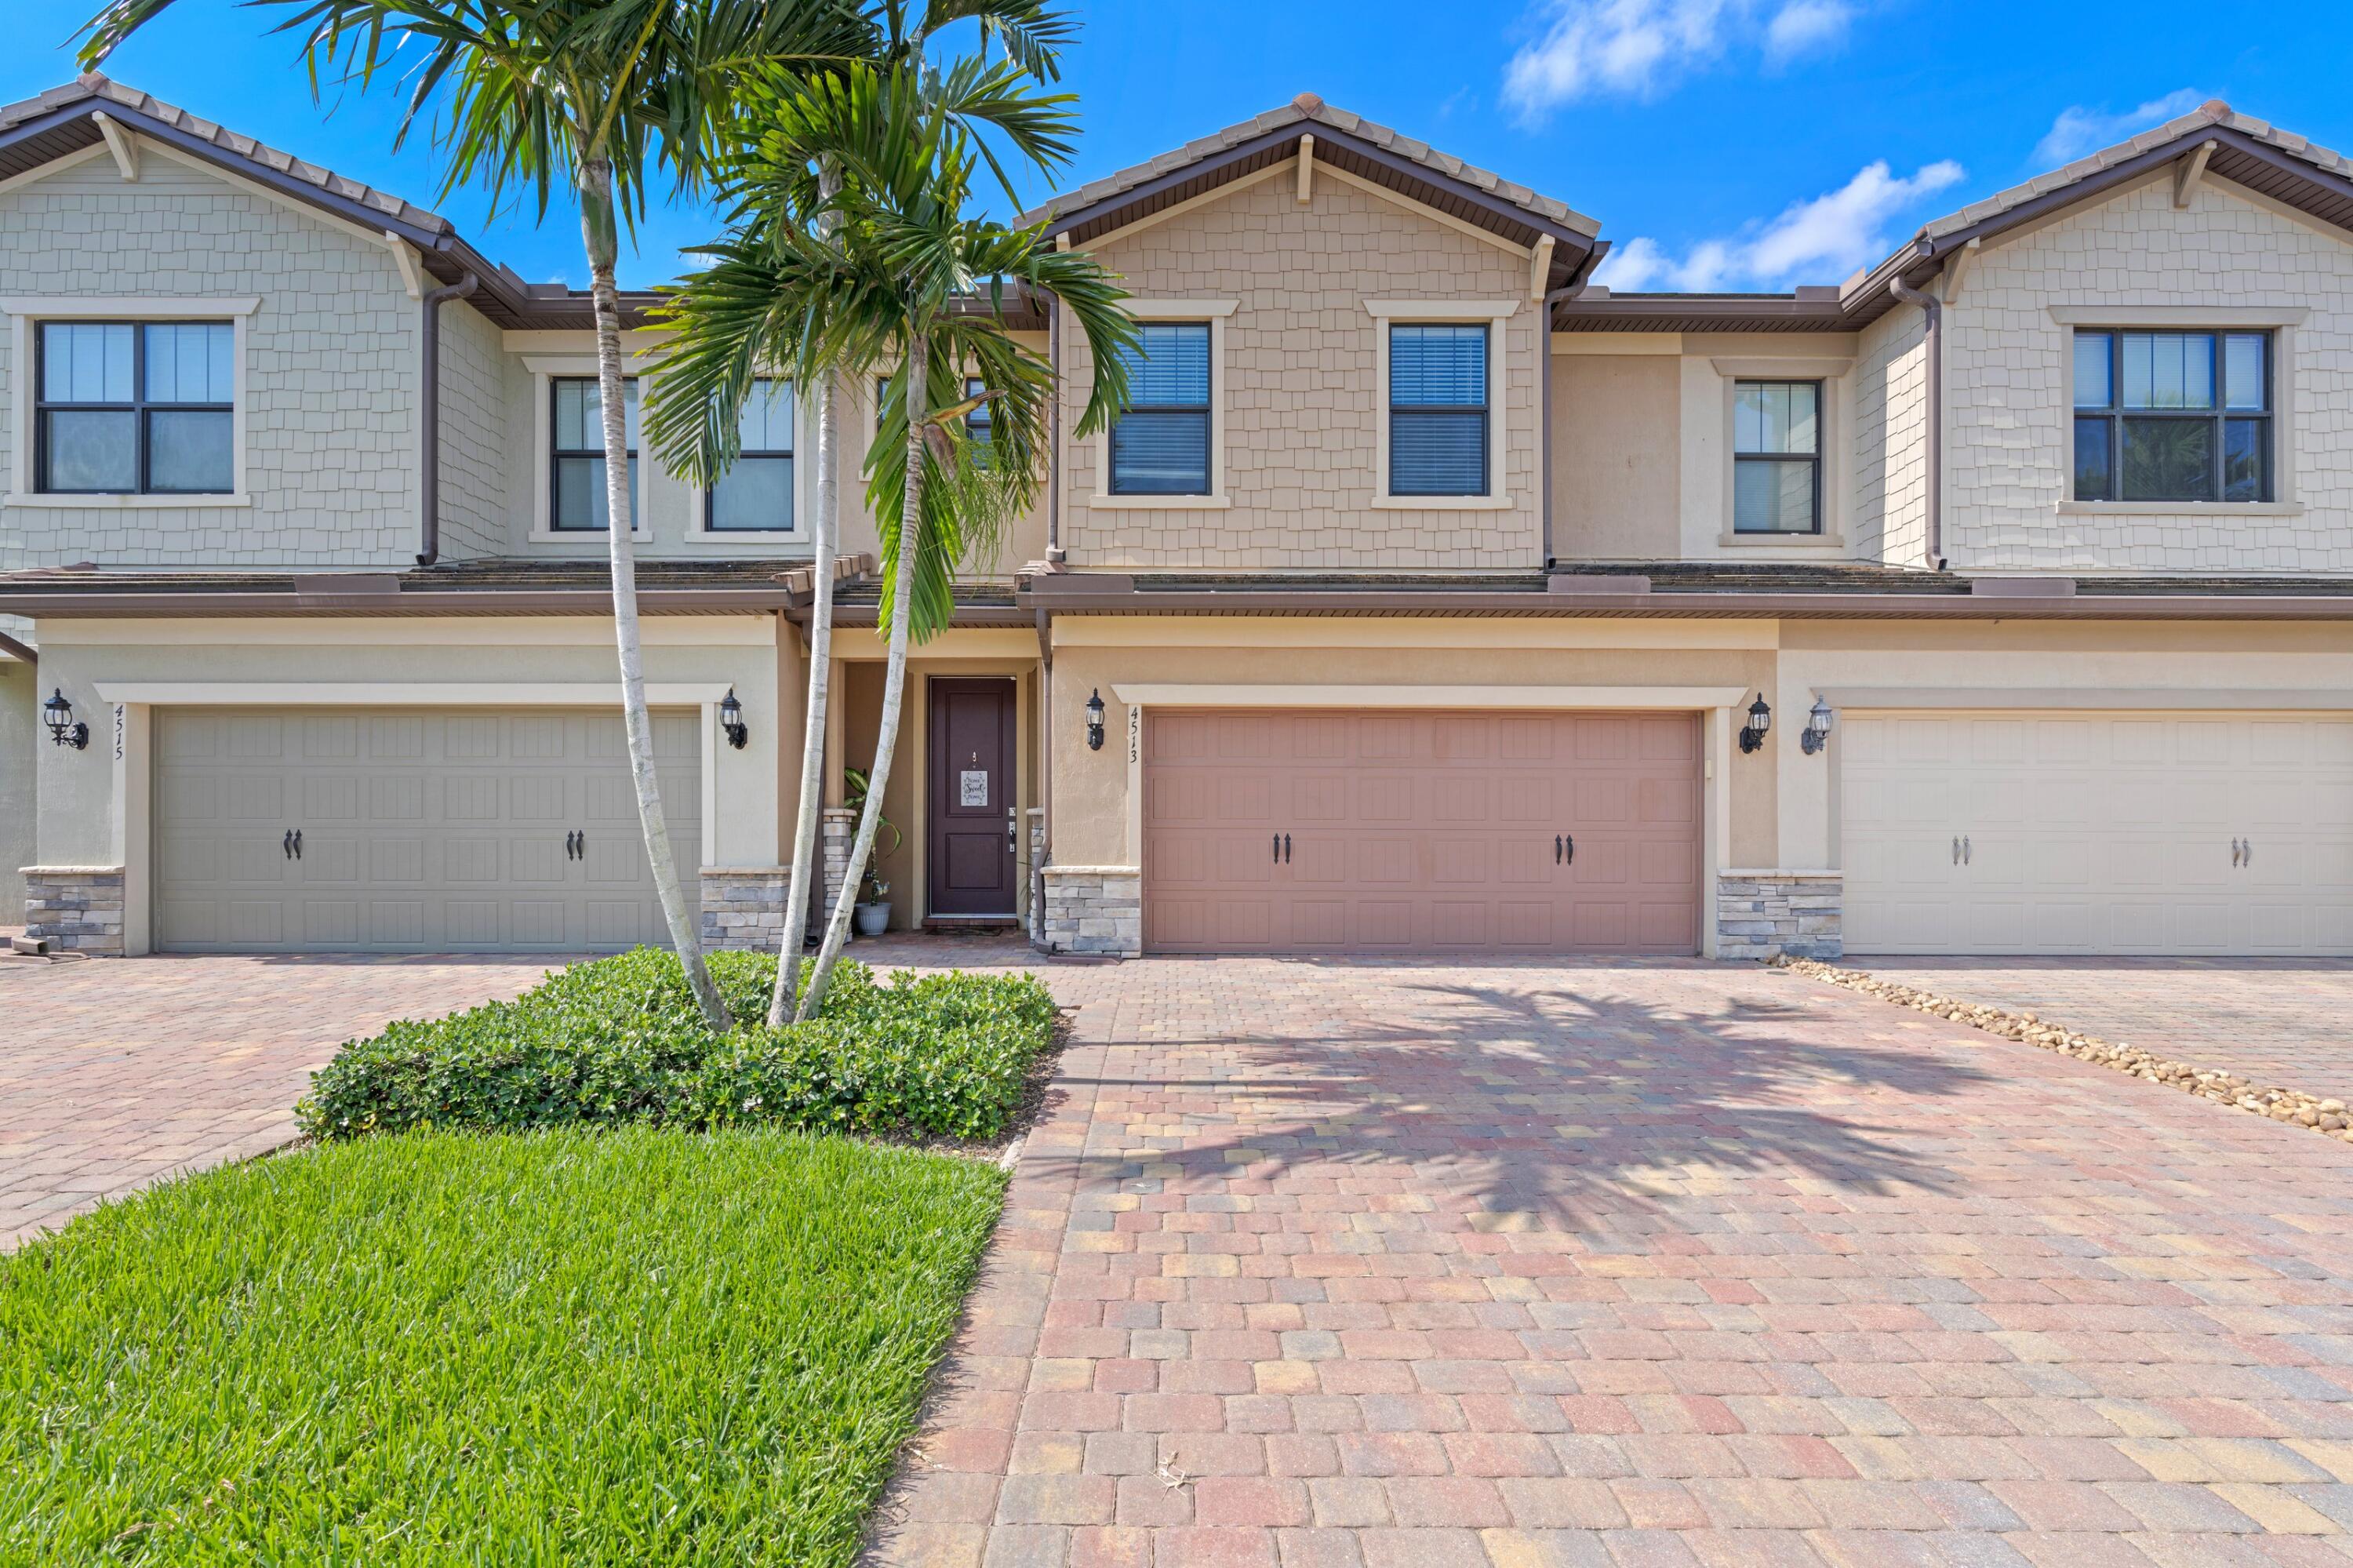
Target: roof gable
{"points": [[1371, 153]]}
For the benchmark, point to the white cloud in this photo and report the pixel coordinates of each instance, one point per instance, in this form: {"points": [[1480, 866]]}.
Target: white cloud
{"points": [[2080, 130], [1802, 26], [1638, 46], [1816, 241]]}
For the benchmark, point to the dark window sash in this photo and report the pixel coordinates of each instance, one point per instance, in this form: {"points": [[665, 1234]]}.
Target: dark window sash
{"points": [[558, 453], [2114, 417], [139, 408]]}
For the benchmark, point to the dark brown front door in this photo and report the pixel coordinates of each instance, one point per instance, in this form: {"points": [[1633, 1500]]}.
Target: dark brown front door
{"points": [[970, 859]]}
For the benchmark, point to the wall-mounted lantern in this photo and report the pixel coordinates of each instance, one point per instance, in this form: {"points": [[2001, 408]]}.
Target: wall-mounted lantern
{"points": [[63, 729], [1760, 719], [731, 720], [1095, 721], [1818, 727]]}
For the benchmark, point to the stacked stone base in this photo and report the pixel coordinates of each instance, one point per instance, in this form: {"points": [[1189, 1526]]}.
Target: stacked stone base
{"points": [[77, 909], [745, 908], [1773, 914], [1093, 909]]}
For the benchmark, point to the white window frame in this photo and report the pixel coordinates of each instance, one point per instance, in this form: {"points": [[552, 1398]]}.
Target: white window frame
{"points": [[1834, 378], [699, 530], [545, 371], [1494, 314], [2280, 321], [1216, 312], [25, 314]]}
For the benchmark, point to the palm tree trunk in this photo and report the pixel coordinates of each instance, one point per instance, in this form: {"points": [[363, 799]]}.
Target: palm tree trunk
{"points": [[598, 230], [820, 684], [894, 682]]}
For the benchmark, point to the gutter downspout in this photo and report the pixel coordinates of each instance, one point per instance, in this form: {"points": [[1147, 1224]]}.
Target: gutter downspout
{"points": [[1053, 440], [1933, 309], [1544, 403], [428, 446]]}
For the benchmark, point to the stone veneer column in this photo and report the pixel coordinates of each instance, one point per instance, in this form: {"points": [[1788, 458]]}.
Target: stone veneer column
{"points": [[77, 909], [1094, 909], [838, 827], [1037, 910], [1764, 914], [744, 907]]}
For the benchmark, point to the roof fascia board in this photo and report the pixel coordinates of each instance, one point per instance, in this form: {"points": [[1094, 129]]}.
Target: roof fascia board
{"points": [[104, 602], [1670, 604], [171, 139], [1327, 134]]}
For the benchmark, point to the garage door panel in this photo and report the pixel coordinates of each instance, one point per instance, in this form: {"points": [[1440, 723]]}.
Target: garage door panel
{"points": [[2095, 834], [1439, 834], [421, 831]]}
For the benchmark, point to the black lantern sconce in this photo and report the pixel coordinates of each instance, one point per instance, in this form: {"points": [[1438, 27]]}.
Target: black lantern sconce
{"points": [[58, 713], [1095, 722], [1818, 728], [1760, 719], [730, 720]]}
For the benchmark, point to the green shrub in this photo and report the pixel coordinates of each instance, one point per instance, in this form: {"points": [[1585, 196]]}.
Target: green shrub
{"points": [[619, 1039]]}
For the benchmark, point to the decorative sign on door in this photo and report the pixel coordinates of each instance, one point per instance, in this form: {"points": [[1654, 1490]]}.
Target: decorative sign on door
{"points": [[973, 788]]}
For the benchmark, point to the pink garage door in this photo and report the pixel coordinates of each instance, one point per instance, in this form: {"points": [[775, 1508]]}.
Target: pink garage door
{"points": [[1280, 831]]}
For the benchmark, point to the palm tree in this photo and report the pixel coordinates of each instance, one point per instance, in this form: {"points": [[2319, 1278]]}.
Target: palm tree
{"points": [[1032, 36], [904, 275], [604, 95]]}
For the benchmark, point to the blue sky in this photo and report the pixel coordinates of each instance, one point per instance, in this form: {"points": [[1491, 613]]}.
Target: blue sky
{"points": [[1722, 144]]}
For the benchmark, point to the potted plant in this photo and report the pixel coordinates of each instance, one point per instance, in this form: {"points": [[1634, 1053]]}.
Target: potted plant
{"points": [[873, 912], [871, 915]]}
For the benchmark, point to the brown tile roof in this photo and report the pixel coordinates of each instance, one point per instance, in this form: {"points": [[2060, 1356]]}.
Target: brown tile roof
{"points": [[93, 85], [1307, 108]]}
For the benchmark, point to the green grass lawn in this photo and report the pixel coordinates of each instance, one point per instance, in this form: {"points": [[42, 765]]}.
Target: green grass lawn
{"points": [[632, 1345]]}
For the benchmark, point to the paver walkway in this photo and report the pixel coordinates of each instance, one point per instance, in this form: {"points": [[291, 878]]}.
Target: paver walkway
{"points": [[2279, 1021], [117, 1073], [1504, 1265]]}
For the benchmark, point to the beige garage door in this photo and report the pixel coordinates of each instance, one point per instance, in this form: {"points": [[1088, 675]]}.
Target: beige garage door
{"points": [[1302, 833], [469, 830], [2066, 832]]}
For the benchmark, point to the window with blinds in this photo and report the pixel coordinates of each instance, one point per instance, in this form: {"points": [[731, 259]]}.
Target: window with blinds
{"points": [[1161, 444], [1438, 411]]}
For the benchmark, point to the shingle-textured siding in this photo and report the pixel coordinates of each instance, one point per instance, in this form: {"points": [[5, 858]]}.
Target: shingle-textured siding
{"points": [[1891, 429], [482, 459], [330, 372], [2007, 432], [1301, 387]]}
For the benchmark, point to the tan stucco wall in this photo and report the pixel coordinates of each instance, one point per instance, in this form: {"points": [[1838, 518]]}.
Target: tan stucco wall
{"points": [[1302, 408], [21, 736], [1617, 423], [2007, 429]]}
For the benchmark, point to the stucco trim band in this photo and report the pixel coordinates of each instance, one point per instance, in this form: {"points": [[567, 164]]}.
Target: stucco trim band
{"points": [[402, 694], [1393, 696], [2153, 699]]}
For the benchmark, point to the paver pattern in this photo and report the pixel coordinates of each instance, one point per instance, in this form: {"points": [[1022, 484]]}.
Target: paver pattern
{"points": [[1509, 1266], [120, 1072], [2278, 1021]]}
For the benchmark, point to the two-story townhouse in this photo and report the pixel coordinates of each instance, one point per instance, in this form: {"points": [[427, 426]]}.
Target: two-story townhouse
{"points": [[1428, 599]]}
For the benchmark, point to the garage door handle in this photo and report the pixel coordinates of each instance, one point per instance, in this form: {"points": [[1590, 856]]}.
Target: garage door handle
{"points": [[1286, 849], [298, 844], [1274, 851], [2247, 854], [1965, 850], [287, 844], [1572, 849], [1556, 848], [1956, 849]]}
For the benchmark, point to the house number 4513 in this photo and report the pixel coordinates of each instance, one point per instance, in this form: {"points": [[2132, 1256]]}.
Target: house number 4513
{"points": [[1134, 734]]}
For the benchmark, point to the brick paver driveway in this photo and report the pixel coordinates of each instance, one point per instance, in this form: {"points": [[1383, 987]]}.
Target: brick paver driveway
{"points": [[1502, 1266], [2279, 1021], [117, 1072]]}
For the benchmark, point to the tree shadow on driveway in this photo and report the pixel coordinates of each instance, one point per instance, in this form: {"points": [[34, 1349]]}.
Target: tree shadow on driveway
{"points": [[1582, 1099]]}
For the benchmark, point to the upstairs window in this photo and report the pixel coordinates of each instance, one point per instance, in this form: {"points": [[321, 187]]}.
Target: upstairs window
{"points": [[2173, 416], [756, 495], [579, 454], [1438, 411], [1776, 457], [1161, 444], [136, 408], [977, 423]]}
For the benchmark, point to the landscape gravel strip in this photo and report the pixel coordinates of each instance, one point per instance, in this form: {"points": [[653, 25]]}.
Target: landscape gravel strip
{"points": [[2327, 1116]]}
